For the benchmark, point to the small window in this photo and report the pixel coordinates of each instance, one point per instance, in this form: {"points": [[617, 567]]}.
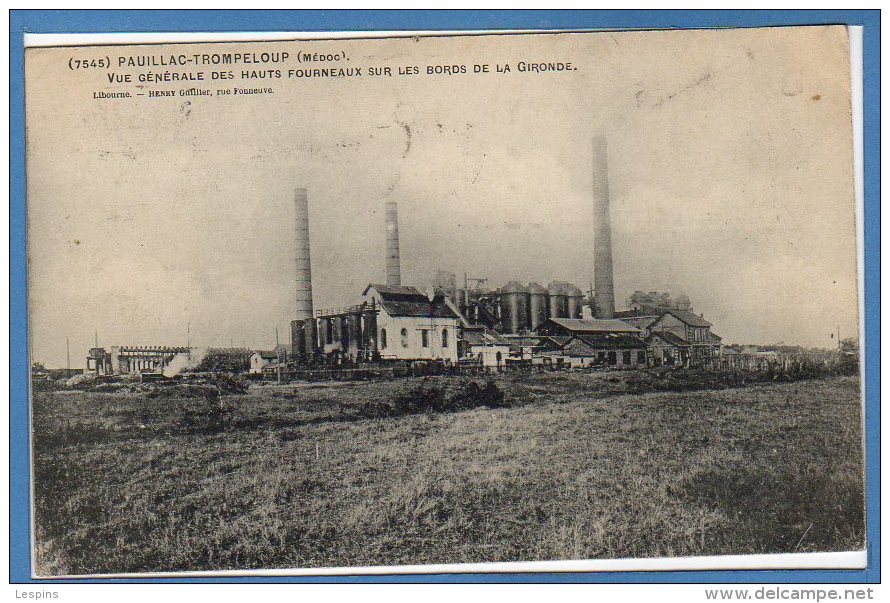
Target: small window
{"points": [[601, 356], [383, 339], [613, 358], [641, 357], [425, 338], [625, 357], [404, 335], [329, 331], [444, 338]]}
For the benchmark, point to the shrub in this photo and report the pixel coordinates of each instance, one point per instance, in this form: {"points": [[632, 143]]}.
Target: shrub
{"points": [[42, 384], [418, 399], [425, 398], [228, 384], [471, 395]]}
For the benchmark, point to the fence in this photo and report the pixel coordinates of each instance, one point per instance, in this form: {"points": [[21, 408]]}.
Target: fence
{"points": [[788, 364]]}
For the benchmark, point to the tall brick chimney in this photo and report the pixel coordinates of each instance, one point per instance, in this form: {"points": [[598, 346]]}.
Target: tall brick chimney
{"points": [[604, 291], [393, 263], [303, 328]]}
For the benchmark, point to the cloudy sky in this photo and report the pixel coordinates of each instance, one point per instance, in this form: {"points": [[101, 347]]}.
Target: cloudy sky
{"points": [[729, 163]]}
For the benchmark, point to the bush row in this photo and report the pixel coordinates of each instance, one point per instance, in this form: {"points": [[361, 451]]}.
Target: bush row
{"points": [[427, 398]]}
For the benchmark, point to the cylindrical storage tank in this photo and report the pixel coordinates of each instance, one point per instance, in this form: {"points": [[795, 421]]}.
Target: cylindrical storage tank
{"points": [[574, 298], [514, 307], [537, 305], [558, 302]]}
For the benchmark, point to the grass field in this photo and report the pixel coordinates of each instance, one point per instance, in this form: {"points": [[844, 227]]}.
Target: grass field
{"points": [[575, 469]]}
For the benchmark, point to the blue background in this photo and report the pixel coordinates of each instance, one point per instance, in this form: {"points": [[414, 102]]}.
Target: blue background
{"points": [[83, 21]]}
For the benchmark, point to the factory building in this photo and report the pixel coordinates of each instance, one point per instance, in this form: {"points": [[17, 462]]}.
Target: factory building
{"points": [[484, 347], [516, 323], [347, 334], [602, 349], [589, 342], [393, 322], [263, 359], [412, 325], [586, 326], [517, 309], [668, 349], [98, 362], [398, 322], [128, 360], [678, 337]]}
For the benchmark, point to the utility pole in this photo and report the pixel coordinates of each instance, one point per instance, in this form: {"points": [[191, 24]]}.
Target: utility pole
{"points": [[68, 355], [278, 356], [188, 341], [96, 341]]}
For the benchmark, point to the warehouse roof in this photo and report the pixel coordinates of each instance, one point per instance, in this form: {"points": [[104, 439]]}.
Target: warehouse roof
{"points": [[690, 318], [593, 325], [554, 341], [484, 337]]}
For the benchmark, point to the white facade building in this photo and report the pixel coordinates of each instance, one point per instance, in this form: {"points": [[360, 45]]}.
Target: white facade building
{"points": [[411, 326]]}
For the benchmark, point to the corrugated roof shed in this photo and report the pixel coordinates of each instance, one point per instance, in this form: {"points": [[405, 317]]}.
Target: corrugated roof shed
{"points": [[689, 318], [594, 325], [555, 341], [484, 337]]}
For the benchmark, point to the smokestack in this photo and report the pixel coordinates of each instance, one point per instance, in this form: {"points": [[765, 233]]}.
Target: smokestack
{"points": [[604, 292], [304, 318], [393, 266]]}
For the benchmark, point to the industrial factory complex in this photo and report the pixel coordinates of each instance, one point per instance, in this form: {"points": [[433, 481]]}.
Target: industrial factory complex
{"points": [[468, 324]]}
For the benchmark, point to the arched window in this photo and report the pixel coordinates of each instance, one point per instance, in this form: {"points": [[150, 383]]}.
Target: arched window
{"points": [[382, 338], [404, 334], [444, 338]]}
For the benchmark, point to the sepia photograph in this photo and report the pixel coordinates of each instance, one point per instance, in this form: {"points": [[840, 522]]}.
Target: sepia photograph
{"points": [[443, 300]]}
